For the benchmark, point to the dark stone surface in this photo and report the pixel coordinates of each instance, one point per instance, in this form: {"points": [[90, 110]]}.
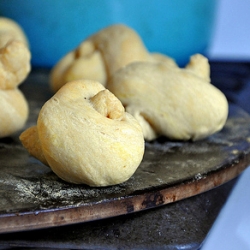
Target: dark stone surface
{"points": [[29, 187], [180, 225]]}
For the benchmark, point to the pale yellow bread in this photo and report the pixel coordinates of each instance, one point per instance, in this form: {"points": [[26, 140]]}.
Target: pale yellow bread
{"points": [[14, 111], [177, 103], [102, 54], [11, 30], [14, 68], [86, 136], [14, 64], [31, 142]]}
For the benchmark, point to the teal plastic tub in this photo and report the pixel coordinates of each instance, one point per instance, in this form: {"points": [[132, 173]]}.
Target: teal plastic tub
{"points": [[177, 28]]}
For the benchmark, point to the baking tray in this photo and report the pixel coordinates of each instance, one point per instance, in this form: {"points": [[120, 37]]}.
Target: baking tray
{"points": [[32, 197]]}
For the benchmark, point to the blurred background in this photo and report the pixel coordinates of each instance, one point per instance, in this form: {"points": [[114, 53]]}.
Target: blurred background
{"points": [[231, 38], [216, 28]]}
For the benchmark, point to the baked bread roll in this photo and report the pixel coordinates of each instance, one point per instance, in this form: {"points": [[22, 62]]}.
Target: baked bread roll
{"points": [[100, 55], [84, 134], [180, 104], [14, 64], [14, 68], [10, 30], [14, 111]]}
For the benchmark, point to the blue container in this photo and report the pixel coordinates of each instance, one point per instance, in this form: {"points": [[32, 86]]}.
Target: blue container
{"points": [[178, 28]]}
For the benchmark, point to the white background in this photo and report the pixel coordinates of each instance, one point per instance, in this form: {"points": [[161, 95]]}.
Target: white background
{"points": [[232, 31]]}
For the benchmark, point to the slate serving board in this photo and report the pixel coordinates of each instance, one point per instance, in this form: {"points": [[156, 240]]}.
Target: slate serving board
{"points": [[33, 197]]}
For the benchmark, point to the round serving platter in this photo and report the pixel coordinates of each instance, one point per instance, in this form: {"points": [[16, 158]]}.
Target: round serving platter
{"points": [[33, 197]]}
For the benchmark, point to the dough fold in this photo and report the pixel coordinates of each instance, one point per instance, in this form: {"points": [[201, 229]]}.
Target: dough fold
{"points": [[179, 103], [84, 134], [14, 68], [102, 54]]}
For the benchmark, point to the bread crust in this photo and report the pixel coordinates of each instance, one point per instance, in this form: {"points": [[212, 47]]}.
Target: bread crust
{"points": [[14, 68], [101, 55], [178, 103], [86, 136], [14, 111]]}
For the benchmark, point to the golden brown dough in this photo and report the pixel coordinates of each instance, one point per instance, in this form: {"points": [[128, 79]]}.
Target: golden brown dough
{"points": [[86, 136], [100, 55], [178, 103]]}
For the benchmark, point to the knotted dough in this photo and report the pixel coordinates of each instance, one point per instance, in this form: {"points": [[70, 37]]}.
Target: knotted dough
{"points": [[84, 134], [102, 54], [179, 103], [14, 68]]}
